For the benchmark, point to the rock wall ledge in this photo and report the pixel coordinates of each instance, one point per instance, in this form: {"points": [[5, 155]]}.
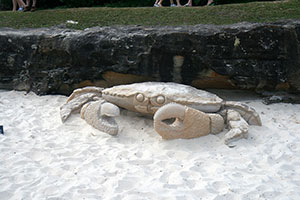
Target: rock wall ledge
{"points": [[252, 56]]}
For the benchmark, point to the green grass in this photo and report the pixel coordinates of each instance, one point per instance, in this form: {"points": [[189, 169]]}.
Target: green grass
{"points": [[103, 16]]}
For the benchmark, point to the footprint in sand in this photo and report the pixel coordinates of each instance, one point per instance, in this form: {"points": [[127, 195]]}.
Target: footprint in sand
{"points": [[126, 183], [6, 195], [220, 186]]}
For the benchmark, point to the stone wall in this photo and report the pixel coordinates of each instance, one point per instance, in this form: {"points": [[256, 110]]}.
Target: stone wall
{"points": [[243, 56]]}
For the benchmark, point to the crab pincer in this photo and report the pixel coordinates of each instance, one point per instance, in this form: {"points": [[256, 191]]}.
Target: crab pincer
{"points": [[100, 115], [188, 122]]}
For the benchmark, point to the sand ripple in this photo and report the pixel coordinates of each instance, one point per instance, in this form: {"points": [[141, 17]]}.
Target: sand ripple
{"points": [[41, 158]]}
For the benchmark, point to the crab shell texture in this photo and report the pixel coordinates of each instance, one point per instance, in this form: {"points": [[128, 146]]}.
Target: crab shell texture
{"points": [[148, 97]]}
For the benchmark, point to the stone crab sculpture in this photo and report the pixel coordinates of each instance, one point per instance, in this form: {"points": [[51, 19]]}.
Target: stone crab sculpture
{"points": [[179, 111]]}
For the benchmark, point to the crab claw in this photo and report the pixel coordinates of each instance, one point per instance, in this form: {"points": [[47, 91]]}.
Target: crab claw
{"points": [[189, 123], [99, 114]]}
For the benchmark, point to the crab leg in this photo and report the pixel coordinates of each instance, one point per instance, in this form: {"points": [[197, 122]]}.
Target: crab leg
{"points": [[74, 105], [237, 125], [77, 99], [95, 110], [189, 123], [248, 113], [97, 91]]}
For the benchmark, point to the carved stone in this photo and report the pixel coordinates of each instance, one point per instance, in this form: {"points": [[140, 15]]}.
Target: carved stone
{"points": [[194, 112], [193, 124]]}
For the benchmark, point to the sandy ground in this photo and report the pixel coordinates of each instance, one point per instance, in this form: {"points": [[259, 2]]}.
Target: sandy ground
{"points": [[41, 158]]}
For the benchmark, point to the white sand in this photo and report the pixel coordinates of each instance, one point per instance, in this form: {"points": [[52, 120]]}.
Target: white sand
{"points": [[41, 158]]}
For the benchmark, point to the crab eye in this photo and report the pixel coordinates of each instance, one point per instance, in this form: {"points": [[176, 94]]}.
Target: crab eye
{"points": [[140, 97], [160, 99]]}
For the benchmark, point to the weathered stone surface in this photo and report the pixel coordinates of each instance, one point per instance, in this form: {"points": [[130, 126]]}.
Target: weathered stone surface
{"points": [[192, 123], [243, 56]]}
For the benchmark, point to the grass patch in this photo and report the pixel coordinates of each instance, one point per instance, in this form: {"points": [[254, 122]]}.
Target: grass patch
{"points": [[104, 16]]}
